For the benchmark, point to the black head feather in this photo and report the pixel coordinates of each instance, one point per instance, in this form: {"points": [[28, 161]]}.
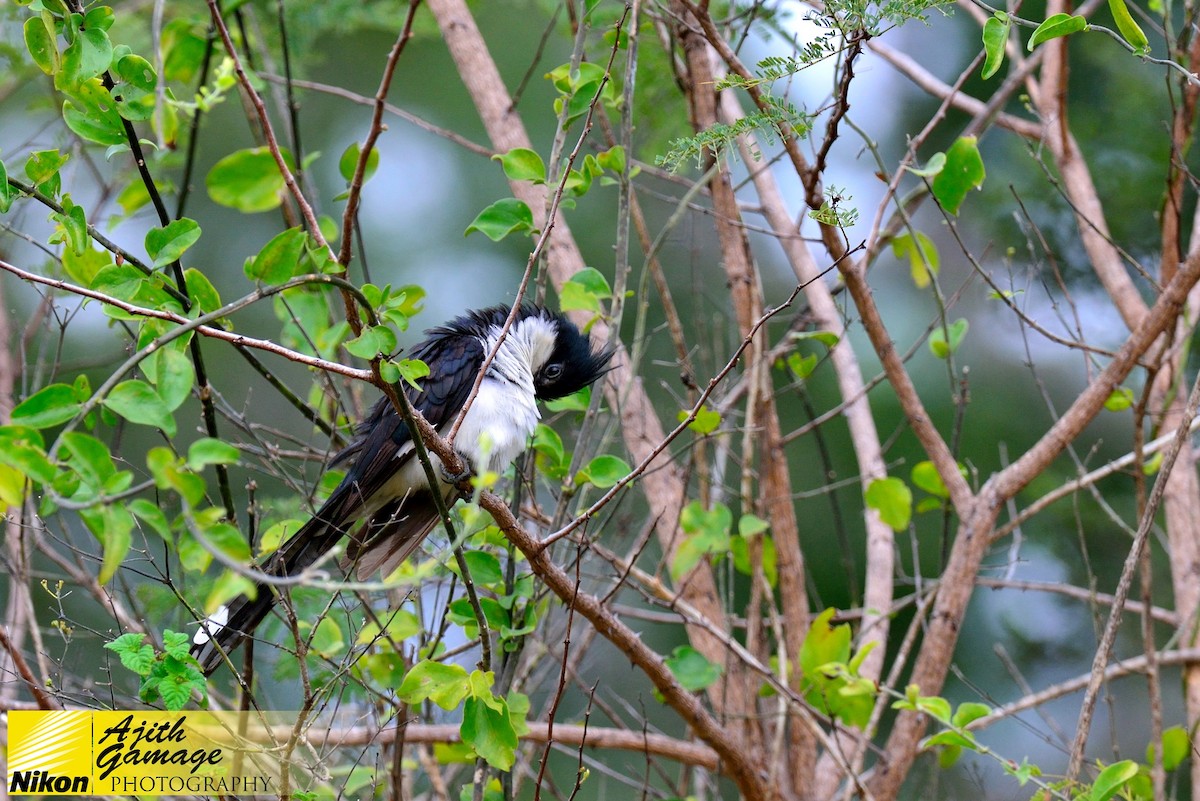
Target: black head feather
{"points": [[572, 365]]}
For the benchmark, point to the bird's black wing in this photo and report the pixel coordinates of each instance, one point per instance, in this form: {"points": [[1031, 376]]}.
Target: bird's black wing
{"points": [[383, 446]]}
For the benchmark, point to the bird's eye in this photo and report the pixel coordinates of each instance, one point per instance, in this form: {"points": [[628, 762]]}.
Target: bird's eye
{"points": [[553, 371]]}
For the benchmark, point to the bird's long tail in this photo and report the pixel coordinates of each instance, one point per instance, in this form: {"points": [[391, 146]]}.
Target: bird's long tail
{"points": [[229, 625]]}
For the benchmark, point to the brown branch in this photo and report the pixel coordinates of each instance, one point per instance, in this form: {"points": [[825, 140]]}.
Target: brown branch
{"points": [[650, 744], [208, 331], [354, 195], [44, 699]]}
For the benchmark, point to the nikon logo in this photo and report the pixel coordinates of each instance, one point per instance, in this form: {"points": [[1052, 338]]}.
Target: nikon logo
{"points": [[38, 781]]}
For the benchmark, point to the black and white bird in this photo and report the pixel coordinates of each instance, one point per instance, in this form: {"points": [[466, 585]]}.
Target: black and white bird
{"points": [[384, 505]]}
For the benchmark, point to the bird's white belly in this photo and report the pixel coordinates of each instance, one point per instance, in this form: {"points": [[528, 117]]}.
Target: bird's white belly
{"points": [[492, 435], [497, 425]]}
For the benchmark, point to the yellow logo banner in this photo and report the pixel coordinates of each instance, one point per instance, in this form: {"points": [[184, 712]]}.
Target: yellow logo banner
{"points": [[83, 752]]}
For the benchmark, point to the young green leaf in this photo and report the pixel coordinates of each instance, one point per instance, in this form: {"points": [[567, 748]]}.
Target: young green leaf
{"points": [[707, 420], [1120, 399], [372, 342], [943, 342], [1128, 27], [892, 498], [963, 172], [208, 451], [604, 471], [247, 180], [522, 164], [279, 259], [501, 219], [691, 669], [42, 44], [166, 245], [936, 163], [85, 58], [349, 162], [1057, 25], [444, 684], [923, 259], [135, 653], [1112, 779], [137, 402], [995, 37], [487, 727], [48, 407], [1175, 748], [92, 113]]}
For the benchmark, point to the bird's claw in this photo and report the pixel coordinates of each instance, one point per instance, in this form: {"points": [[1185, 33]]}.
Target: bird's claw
{"points": [[456, 478]]}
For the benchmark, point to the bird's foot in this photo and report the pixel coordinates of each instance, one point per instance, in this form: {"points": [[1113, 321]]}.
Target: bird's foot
{"points": [[455, 478]]}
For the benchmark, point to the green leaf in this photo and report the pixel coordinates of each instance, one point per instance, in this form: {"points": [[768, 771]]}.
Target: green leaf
{"points": [[925, 476], [501, 219], [166, 245], [484, 567], [750, 525], [1120, 399], [585, 290], [488, 729], [82, 267], [409, 370], [399, 626], [1057, 25], [137, 402], [995, 37], [151, 515], [90, 458], [739, 549], [327, 639], [1128, 27], [613, 159], [92, 113], [444, 684], [522, 164], [201, 290], [551, 456], [208, 451], [378, 339], [604, 471], [43, 165], [349, 161], [707, 420], [968, 712], [892, 498], [85, 58], [936, 163], [48, 407], [8, 193], [279, 259], [941, 345], [72, 226], [1112, 779], [113, 527], [824, 643], [135, 653], [247, 180], [42, 44], [691, 669], [801, 366], [1175, 748], [922, 256], [963, 172], [705, 532]]}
